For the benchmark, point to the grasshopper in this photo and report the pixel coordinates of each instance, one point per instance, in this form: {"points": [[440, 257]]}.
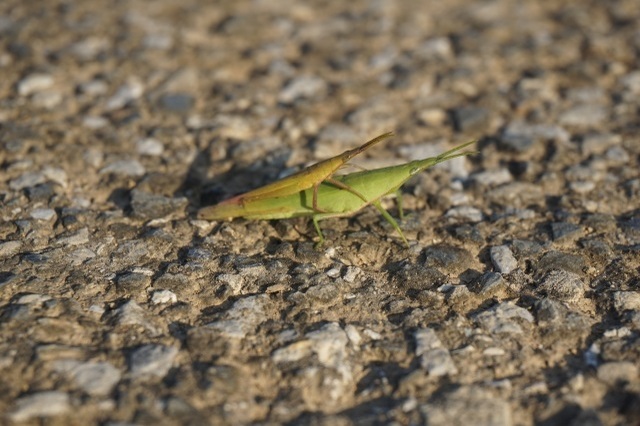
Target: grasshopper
{"points": [[333, 200], [311, 177]]}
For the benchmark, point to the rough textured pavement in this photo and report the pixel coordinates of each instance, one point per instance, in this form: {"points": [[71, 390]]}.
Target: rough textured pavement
{"points": [[518, 302]]}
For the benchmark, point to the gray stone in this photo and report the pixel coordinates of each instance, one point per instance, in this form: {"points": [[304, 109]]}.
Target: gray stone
{"points": [[41, 192], [162, 297], [43, 214], [468, 233], [26, 180], [126, 168], [92, 122], [598, 143], [330, 345], [95, 378], [130, 313], [467, 406], [584, 116], [88, 49], [503, 318], [176, 102], [617, 155], [153, 206], [79, 256], [34, 83], [582, 187], [471, 119], [565, 230], [73, 239], [631, 82], [438, 362], [434, 357], [149, 146], [447, 257], [152, 360], [133, 282], [503, 259], [94, 87], [515, 194], [435, 48], [520, 137], [9, 248], [323, 293], [618, 372], [626, 301], [242, 318], [130, 91], [491, 282], [550, 312], [492, 177], [468, 213], [303, 87], [7, 277], [40, 404], [235, 282], [563, 285], [556, 260]]}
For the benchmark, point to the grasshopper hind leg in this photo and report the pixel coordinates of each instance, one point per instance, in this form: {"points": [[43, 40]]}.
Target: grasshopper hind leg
{"points": [[391, 220]]}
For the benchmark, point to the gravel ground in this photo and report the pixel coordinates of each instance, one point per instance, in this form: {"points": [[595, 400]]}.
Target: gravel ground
{"points": [[518, 302]]}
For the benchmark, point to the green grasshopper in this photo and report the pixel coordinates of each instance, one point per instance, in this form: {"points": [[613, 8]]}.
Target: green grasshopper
{"points": [[311, 177], [332, 200]]}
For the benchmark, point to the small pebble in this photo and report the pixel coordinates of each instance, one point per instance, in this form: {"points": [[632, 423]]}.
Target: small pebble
{"points": [[176, 102], [468, 213], [43, 214], [503, 259], [471, 119], [40, 404], [149, 146], [563, 285], [75, 239], [93, 122], [235, 282], [435, 48], [152, 206], [95, 378], [503, 318], [130, 313], [303, 87], [468, 406], [584, 116], [619, 372], [492, 281], [95, 87], [493, 351], [152, 360], [126, 93], [127, 168], [47, 100], [626, 301], [242, 318], [28, 179], [582, 187], [447, 257], [617, 155], [598, 143], [9, 248], [492, 177], [34, 83], [351, 273]]}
